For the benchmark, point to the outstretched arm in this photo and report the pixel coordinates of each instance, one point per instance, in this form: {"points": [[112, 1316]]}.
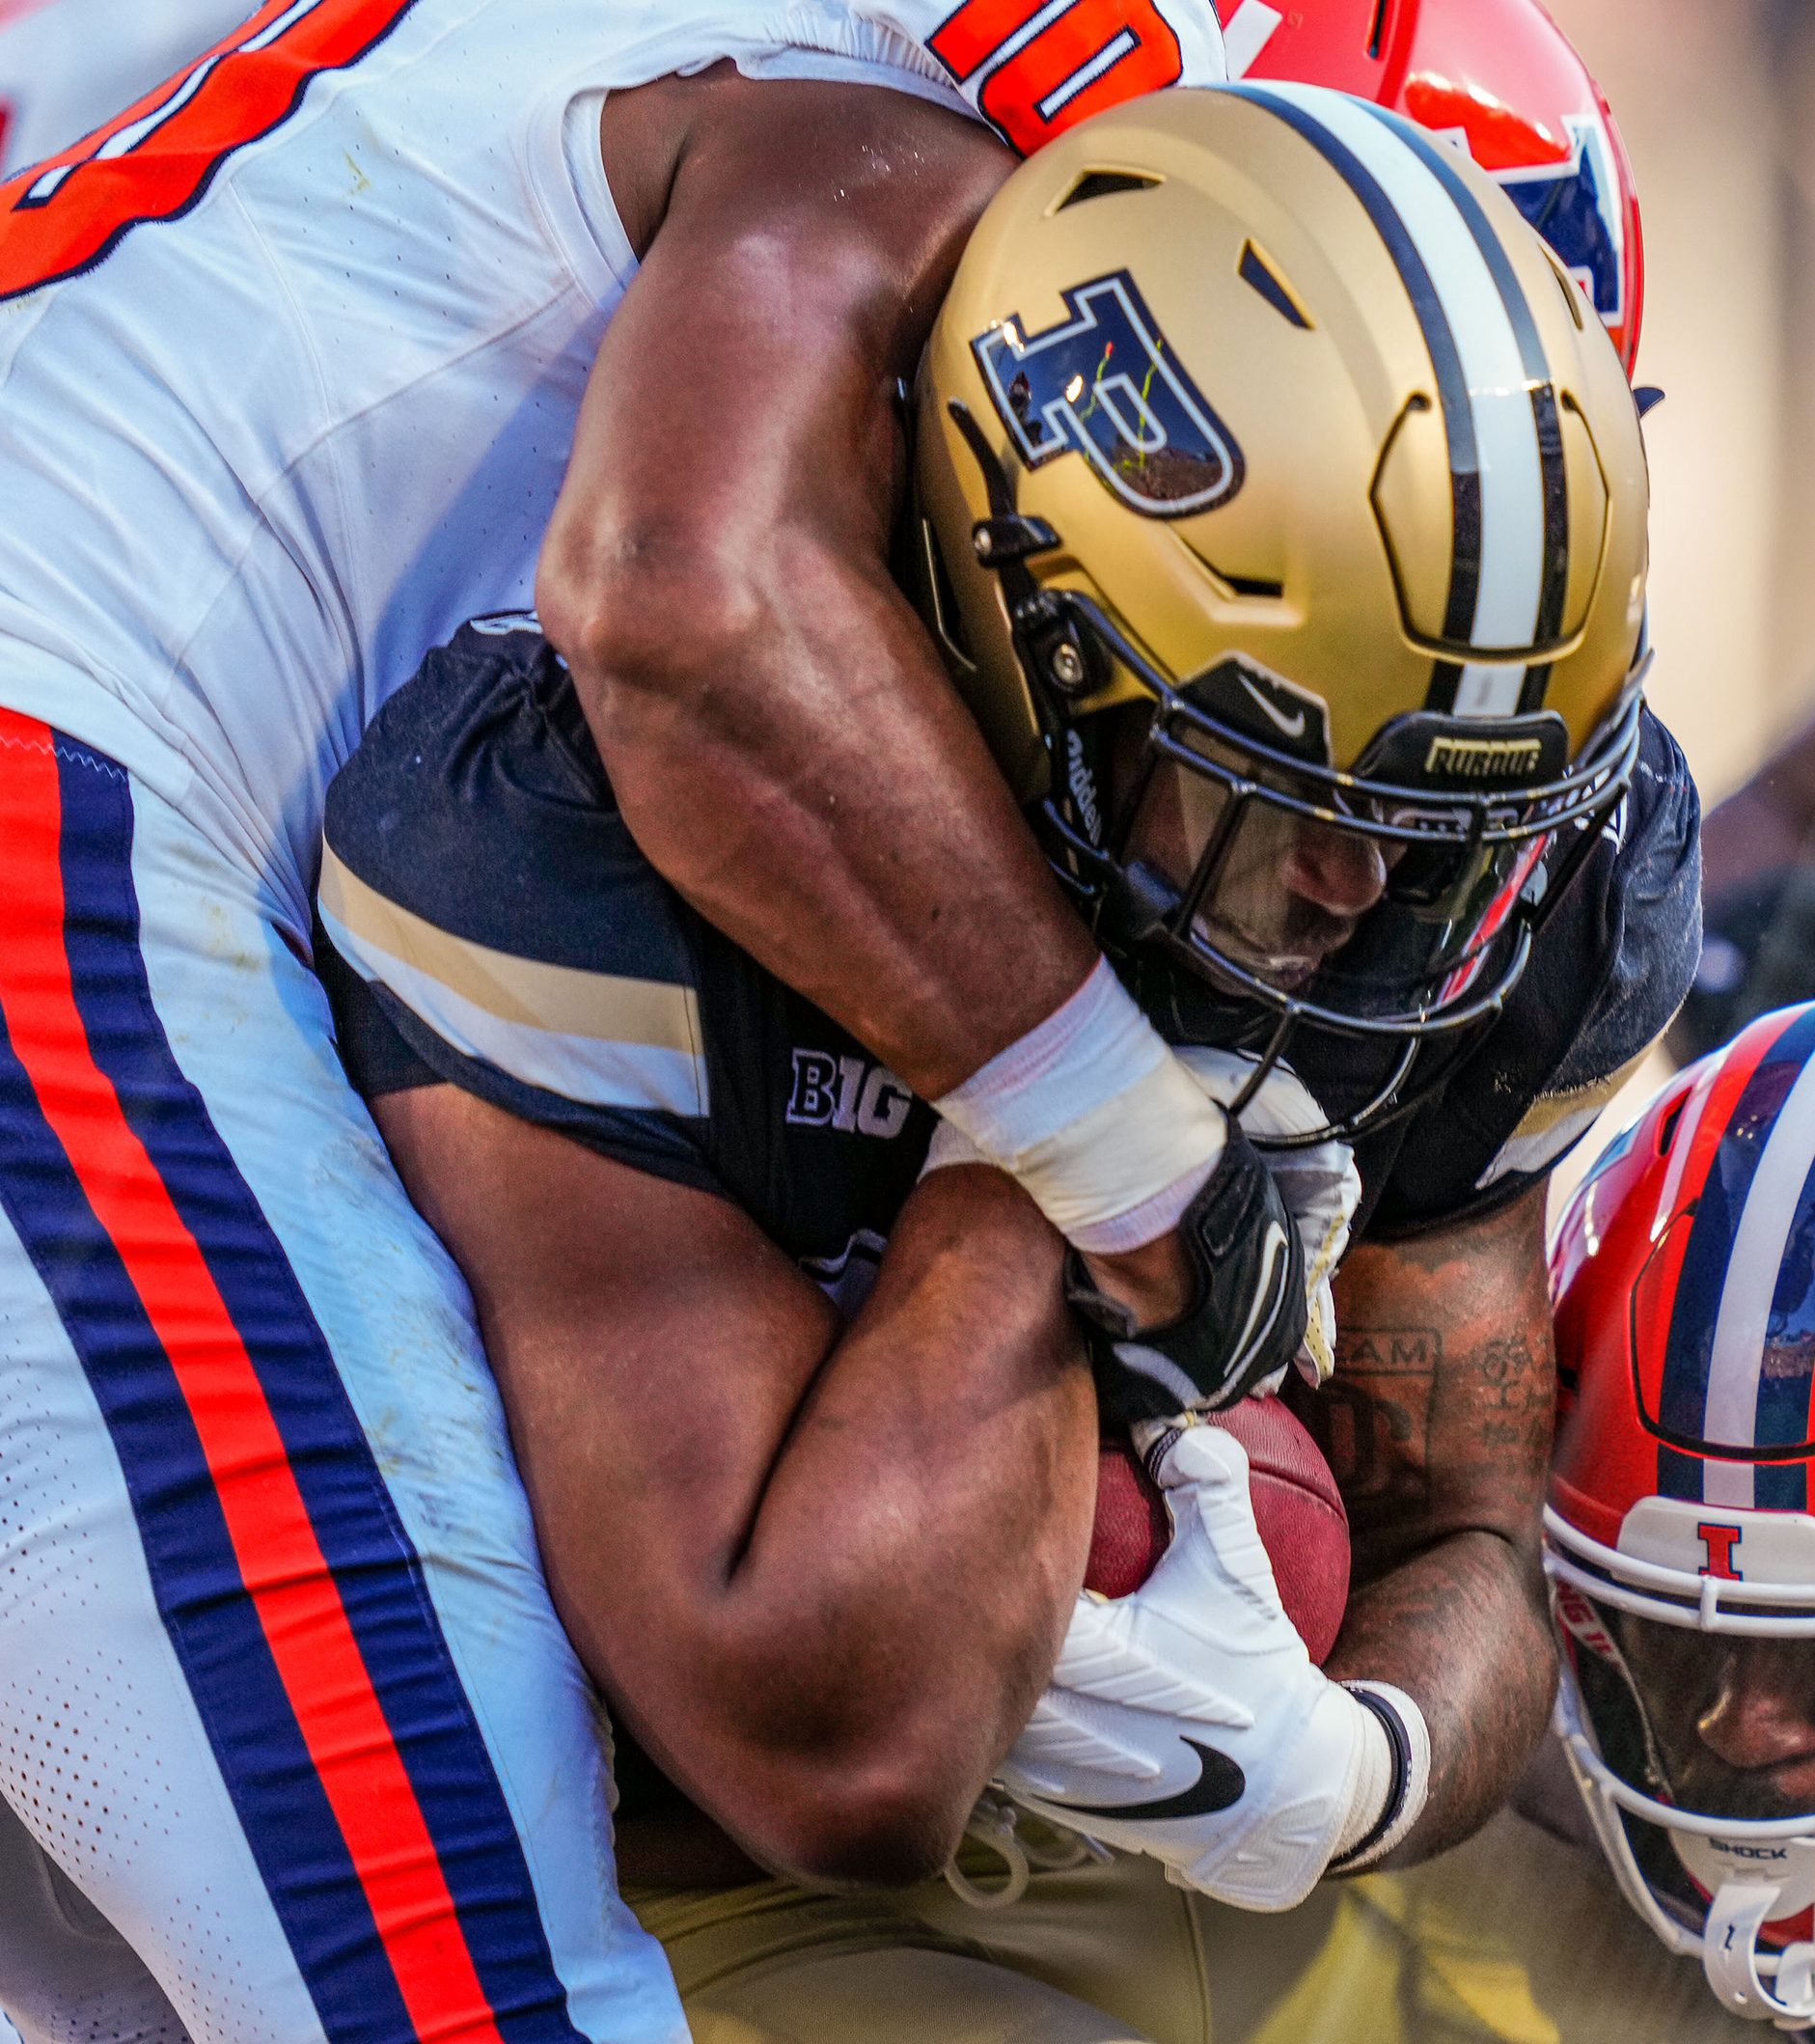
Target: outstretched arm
{"points": [[1438, 1424], [823, 1574]]}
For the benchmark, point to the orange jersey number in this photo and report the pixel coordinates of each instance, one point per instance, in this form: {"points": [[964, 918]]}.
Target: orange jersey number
{"points": [[1092, 54], [158, 158]]}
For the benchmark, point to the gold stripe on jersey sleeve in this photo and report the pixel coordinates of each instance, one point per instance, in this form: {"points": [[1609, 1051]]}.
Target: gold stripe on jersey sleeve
{"points": [[607, 1007], [1550, 1110]]}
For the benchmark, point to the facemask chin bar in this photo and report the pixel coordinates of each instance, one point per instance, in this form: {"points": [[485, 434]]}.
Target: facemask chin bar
{"points": [[1068, 650], [1765, 1987], [1389, 1102], [1735, 1967]]}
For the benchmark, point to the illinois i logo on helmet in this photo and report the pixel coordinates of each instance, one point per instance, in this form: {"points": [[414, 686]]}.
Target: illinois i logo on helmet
{"points": [[1679, 1539]]}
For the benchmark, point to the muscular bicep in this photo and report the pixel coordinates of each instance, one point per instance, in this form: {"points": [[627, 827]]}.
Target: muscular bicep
{"points": [[1439, 1418], [781, 733], [822, 1571], [744, 391], [646, 1338]]}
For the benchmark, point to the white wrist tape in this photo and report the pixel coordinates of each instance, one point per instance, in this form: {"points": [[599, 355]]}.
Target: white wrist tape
{"points": [[1395, 1779], [1097, 1118]]}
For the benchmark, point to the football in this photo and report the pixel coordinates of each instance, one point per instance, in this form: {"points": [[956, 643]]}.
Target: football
{"points": [[1297, 1508]]}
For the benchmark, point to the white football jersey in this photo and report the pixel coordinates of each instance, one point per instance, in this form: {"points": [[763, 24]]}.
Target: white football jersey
{"points": [[67, 65], [290, 365]]}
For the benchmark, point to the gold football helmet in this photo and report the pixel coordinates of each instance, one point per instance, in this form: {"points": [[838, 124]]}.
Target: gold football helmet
{"points": [[1283, 519]]}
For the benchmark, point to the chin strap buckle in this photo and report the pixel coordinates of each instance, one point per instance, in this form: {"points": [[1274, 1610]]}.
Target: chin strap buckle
{"points": [[1731, 1960], [1012, 537]]}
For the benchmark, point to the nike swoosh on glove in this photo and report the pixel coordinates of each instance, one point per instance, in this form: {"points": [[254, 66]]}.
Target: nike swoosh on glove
{"points": [[1187, 1722], [1320, 1186]]}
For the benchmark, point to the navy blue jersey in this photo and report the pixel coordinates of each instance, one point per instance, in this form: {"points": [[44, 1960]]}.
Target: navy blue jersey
{"points": [[492, 923], [505, 934]]}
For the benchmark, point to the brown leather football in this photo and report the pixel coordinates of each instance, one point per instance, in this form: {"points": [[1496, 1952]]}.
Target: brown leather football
{"points": [[1297, 1508]]}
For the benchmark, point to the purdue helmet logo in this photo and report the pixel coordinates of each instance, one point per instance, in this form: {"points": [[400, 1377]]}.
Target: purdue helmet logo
{"points": [[1103, 383]]}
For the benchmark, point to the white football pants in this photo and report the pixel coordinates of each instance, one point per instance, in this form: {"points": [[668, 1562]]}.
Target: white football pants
{"points": [[283, 1700]]}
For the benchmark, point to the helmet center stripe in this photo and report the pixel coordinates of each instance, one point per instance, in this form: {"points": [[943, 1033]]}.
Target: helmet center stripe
{"points": [[1483, 344]]}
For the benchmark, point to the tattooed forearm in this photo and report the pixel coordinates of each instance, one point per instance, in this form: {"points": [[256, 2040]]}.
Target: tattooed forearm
{"points": [[1426, 1433], [1373, 1419], [1461, 1628], [1437, 1426]]}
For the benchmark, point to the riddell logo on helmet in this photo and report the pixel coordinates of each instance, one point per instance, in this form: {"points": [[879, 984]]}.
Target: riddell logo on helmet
{"points": [[1483, 758], [1083, 785]]}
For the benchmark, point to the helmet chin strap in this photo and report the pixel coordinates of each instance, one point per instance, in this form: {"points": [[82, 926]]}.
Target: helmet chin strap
{"points": [[1730, 1955]]}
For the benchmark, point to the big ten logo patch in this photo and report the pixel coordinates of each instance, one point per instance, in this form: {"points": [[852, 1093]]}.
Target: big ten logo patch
{"points": [[848, 1094]]}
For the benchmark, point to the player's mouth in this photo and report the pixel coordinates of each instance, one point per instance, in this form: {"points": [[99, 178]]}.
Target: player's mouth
{"points": [[1286, 969], [1790, 1785], [1754, 1794]]}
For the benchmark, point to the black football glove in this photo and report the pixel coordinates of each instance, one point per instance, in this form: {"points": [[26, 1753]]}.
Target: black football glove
{"points": [[1250, 1313]]}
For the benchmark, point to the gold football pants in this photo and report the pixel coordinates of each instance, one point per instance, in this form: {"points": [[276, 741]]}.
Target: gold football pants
{"points": [[1515, 1939]]}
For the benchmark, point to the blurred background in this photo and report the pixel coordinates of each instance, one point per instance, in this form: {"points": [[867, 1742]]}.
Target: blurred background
{"points": [[1718, 107]]}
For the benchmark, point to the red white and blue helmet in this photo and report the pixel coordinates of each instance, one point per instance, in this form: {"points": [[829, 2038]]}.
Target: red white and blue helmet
{"points": [[1501, 79], [1684, 1281]]}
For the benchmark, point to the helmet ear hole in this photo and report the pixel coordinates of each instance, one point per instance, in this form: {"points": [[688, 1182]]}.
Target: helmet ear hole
{"points": [[1669, 1127]]}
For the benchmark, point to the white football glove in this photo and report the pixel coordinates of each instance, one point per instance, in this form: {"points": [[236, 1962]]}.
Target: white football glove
{"points": [[1186, 1722], [1320, 1186]]}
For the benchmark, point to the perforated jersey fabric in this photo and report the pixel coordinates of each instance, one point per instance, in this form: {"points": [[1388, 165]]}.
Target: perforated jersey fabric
{"points": [[66, 1975]]}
